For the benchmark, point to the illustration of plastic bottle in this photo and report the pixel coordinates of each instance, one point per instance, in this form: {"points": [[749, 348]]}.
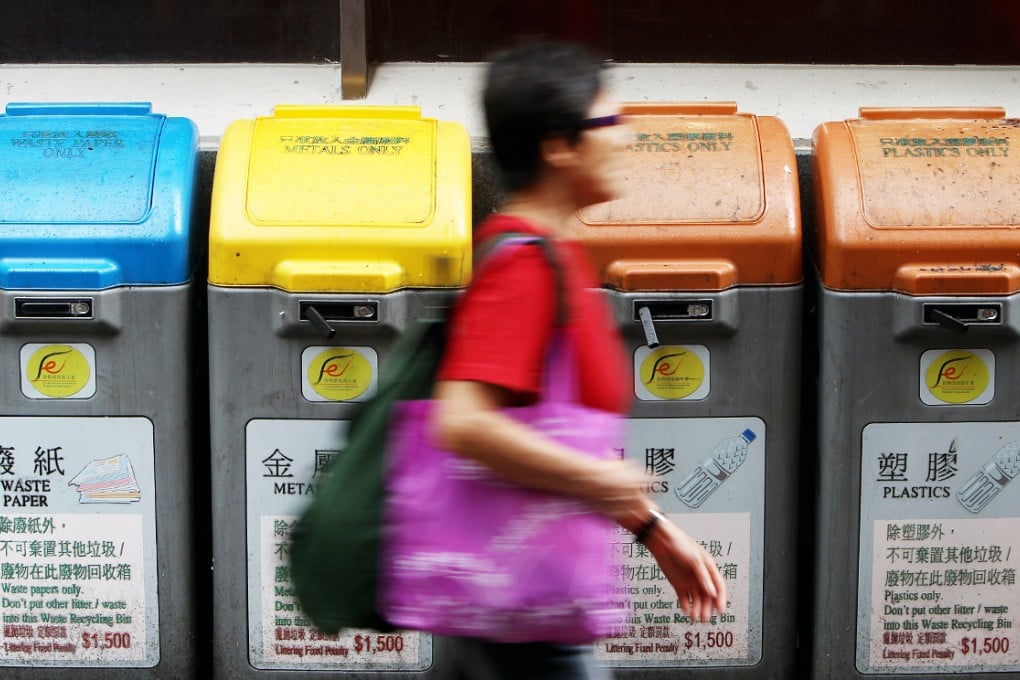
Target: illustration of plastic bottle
{"points": [[721, 462], [989, 480]]}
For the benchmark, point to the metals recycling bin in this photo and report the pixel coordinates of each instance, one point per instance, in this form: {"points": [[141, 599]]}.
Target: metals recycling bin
{"points": [[331, 219], [918, 260], [96, 556], [704, 251]]}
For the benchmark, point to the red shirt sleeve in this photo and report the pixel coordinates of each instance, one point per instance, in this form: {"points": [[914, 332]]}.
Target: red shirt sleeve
{"points": [[501, 327]]}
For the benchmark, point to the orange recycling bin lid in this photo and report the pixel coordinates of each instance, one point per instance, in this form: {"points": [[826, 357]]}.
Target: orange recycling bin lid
{"points": [[919, 201], [711, 201]]}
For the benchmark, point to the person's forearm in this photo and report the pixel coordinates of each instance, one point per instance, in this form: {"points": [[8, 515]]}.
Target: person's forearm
{"points": [[515, 452], [525, 456]]}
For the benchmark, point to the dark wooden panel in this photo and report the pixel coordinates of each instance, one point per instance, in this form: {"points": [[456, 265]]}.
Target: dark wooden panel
{"points": [[122, 31], [740, 31], [307, 31]]}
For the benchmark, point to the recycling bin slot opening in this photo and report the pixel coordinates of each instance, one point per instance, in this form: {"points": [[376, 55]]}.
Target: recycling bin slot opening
{"points": [[340, 311], [674, 310], [53, 308], [959, 317]]}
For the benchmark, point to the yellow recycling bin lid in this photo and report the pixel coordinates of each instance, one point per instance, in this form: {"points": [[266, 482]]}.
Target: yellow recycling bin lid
{"points": [[919, 201], [710, 201], [342, 199]]}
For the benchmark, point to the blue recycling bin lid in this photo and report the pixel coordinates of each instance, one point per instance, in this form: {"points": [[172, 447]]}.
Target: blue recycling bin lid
{"points": [[95, 196]]}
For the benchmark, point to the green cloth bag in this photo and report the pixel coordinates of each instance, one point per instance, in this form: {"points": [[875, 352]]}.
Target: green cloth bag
{"points": [[334, 545]]}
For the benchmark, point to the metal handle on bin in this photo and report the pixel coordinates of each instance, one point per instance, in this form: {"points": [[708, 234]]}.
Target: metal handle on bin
{"points": [[949, 321], [317, 320], [651, 337]]}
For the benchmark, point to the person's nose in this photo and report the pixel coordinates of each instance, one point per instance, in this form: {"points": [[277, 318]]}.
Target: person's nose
{"points": [[623, 134]]}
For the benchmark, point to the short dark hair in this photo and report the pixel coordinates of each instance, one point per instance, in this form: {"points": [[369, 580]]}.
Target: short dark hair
{"points": [[532, 92]]}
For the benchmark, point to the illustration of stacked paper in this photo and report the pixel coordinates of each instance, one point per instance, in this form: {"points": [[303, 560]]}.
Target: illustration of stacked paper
{"points": [[107, 480]]}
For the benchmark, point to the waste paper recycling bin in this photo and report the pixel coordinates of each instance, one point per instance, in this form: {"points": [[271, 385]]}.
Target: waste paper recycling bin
{"points": [[918, 261], [96, 554], [701, 261], [332, 229]]}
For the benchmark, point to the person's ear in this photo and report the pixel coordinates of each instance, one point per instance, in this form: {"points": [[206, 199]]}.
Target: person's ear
{"points": [[558, 152]]}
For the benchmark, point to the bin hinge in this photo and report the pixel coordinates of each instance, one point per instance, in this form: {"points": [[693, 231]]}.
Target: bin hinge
{"points": [[960, 317]]}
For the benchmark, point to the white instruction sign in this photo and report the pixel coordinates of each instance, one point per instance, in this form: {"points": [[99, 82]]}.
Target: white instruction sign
{"points": [[708, 476], [939, 548], [283, 459], [78, 542]]}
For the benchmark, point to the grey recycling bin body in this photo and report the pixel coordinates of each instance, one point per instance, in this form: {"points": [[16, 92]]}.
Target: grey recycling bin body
{"points": [[332, 230], [701, 262], [918, 266], [97, 560]]}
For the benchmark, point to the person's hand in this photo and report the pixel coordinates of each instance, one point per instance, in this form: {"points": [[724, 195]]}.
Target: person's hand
{"points": [[690, 569]]}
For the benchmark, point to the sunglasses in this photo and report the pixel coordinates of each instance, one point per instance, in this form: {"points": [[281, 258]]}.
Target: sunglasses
{"points": [[601, 121]]}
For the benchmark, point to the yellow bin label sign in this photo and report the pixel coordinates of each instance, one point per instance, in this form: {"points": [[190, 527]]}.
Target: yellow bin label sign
{"points": [[342, 171], [671, 372], [339, 373], [957, 376]]}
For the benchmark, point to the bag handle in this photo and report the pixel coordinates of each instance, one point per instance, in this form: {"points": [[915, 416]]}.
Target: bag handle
{"points": [[559, 376], [492, 245]]}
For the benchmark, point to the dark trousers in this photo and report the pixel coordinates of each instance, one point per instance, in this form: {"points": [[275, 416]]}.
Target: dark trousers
{"points": [[484, 660]]}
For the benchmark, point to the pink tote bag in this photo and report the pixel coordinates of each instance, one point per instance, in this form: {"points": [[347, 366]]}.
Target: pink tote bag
{"points": [[465, 553]]}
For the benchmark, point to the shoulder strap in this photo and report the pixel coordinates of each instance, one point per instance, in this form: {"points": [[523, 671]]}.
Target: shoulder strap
{"points": [[493, 244]]}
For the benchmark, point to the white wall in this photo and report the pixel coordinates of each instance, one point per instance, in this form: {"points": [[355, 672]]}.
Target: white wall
{"points": [[801, 95]]}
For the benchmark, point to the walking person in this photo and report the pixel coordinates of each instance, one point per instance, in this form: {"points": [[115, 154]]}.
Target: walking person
{"points": [[557, 138]]}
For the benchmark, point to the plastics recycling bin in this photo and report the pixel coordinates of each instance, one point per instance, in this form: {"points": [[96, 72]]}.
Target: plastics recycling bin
{"points": [[701, 261], [332, 229], [918, 261], [96, 554]]}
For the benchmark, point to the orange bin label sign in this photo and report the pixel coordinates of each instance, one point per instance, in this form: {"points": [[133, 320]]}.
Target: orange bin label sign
{"points": [[940, 174], [688, 170]]}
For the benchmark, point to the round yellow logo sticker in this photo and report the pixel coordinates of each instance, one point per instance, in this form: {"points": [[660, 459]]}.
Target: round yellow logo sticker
{"points": [[957, 376], [672, 372], [58, 371], [339, 374]]}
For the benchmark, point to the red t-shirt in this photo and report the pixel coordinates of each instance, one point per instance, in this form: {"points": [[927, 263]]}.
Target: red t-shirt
{"points": [[502, 325]]}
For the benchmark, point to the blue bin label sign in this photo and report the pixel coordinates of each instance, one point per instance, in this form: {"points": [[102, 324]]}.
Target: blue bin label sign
{"points": [[339, 373], [707, 474], [93, 175], [939, 548], [957, 376], [672, 372], [58, 371], [284, 458], [78, 573]]}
